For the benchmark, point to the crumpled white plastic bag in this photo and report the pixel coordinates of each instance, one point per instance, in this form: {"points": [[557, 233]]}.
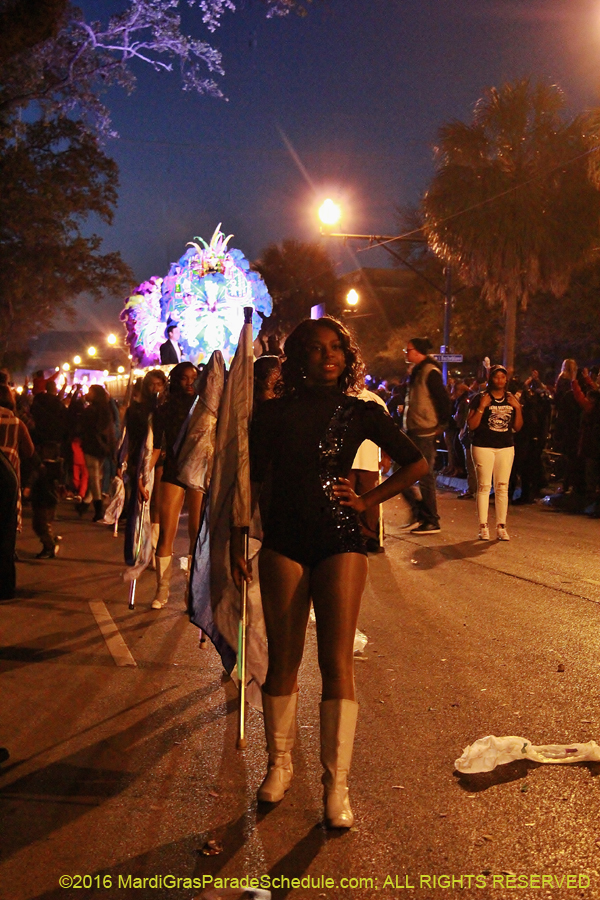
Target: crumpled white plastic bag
{"points": [[360, 641], [491, 751]]}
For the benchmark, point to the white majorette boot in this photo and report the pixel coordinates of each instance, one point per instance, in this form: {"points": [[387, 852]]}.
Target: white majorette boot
{"points": [[154, 532], [338, 725], [280, 731], [164, 567]]}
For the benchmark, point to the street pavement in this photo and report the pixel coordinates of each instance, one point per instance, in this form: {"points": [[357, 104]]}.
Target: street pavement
{"points": [[123, 763]]}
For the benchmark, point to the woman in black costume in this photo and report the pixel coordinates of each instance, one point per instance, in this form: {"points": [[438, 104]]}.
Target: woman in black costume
{"points": [[312, 547], [168, 422]]}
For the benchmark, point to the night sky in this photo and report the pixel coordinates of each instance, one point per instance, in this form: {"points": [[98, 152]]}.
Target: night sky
{"points": [[345, 102]]}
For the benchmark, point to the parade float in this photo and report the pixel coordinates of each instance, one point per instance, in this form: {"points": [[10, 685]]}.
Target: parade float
{"points": [[205, 293]]}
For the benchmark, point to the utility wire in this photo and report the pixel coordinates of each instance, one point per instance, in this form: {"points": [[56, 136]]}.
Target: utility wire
{"points": [[488, 200]]}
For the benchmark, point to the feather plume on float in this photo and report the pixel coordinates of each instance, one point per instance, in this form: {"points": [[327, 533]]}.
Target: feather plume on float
{"points": [[205, 291]]}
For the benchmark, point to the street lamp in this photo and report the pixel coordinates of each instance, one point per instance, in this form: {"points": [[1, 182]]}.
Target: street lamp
{"points": [[111, 339], [329, 213], [352, 297], [66, 367], [92, 351], [77, 360]]}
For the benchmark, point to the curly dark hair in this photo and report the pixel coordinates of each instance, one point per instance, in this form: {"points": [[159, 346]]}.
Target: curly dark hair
{"points": [[179, 403], [147, 396], [296, 352], [176, 374], [264, 367]]}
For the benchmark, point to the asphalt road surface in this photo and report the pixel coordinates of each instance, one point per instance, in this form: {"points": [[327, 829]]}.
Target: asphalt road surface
{"points": [[122, 731]]}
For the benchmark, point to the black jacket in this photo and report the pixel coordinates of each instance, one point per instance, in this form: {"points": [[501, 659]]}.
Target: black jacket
{"points": [[168, 356]]}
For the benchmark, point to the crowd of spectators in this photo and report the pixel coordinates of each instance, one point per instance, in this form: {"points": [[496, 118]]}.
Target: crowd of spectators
{"points": [[557, 452], [61, 443]]}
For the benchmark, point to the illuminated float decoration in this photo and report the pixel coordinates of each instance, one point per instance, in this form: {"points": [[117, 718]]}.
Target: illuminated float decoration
{"points": [[205, 293]]}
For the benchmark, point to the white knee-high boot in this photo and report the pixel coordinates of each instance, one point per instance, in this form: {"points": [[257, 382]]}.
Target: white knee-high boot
{"points": [[164, 568], [280, 731], [338, 725]]}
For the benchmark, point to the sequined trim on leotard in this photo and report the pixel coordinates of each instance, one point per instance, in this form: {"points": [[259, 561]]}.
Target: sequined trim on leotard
{"points": [[345, 518]]}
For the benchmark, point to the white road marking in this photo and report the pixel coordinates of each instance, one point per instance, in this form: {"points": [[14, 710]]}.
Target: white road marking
{"points": [[111, 634]]}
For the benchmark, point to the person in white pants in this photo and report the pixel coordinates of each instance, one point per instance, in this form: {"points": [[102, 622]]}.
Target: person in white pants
{"points": [[494, 418]]}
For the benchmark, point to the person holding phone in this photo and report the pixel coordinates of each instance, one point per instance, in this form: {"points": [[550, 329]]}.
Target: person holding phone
{"points": [[494, 418]]}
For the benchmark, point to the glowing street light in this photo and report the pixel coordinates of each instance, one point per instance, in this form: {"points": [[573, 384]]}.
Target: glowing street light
{"points": [[120, 370], [329, 213], [92, 351], [352, 297], [76, 360], [66, 367], [111, 339]]}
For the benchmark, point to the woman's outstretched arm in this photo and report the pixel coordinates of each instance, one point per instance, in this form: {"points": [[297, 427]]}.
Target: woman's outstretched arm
{"points": [[399, 481]]}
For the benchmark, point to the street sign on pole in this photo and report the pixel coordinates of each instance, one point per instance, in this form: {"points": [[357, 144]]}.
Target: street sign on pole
{"points": [[448, 357]]}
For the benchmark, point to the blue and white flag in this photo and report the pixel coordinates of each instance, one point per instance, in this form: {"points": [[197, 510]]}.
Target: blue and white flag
{"points": [[139, 559], [214, 599]]}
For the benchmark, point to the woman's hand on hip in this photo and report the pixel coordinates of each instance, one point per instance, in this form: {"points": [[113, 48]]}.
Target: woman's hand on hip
{"points": [[346, 496]]}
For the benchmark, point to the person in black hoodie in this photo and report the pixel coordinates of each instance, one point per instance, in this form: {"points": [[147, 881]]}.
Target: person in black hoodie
{"points": [[45, 492], [49, 415], [98, 442]]}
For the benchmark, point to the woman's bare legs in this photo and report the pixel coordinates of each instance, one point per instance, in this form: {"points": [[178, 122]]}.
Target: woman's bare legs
{"points": [[169, 510], [284, 586], [155, 499], [195, 503], [337, 586]]}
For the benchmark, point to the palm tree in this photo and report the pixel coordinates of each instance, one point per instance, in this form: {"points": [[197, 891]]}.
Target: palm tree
{"points": [[511, 204]]}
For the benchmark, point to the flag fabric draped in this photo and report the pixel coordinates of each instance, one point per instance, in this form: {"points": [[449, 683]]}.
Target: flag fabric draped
{"points": [[197, 450], [116, 502], [214, 599], [138, 562]]}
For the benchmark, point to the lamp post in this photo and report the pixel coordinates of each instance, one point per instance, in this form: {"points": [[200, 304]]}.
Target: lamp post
{"points": [[330, 215]]}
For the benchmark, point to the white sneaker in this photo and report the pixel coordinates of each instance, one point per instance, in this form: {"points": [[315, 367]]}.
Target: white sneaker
{"points": [[502, 533], [484, 533]]}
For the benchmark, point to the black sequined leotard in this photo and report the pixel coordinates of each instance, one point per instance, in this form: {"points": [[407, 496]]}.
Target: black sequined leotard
{"points": [[305, 443]]}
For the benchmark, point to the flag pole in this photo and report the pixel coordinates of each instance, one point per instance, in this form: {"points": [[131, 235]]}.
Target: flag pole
{"points": [[241, 741], [241, 660], [137, 556]]}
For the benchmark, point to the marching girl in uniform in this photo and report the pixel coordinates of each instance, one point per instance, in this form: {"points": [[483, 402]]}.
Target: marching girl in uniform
{"points": [[306, 440]]}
